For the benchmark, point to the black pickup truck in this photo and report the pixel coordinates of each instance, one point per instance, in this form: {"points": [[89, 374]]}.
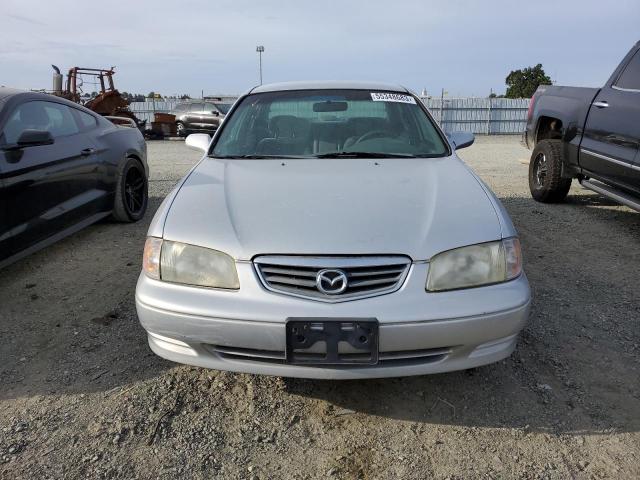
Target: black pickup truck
{"points": [[592, 134]]}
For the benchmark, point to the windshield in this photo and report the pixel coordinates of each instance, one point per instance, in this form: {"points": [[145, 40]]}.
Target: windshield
{"points": [[223, 107], [327, 123]]}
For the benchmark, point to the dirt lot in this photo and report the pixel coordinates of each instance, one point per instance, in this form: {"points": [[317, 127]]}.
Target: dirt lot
{"points": [[83, 397]]}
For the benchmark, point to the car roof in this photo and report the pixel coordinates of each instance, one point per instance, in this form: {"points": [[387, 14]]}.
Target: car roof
{"points": [[329, 85], [7, 94]]}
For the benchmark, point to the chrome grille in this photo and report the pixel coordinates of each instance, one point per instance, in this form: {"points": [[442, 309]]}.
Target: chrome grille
{"points": [[366, 276]]}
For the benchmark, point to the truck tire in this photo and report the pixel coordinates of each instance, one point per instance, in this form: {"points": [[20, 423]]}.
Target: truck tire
{"points": [[132, 191], [181, 130], [545, 172]]}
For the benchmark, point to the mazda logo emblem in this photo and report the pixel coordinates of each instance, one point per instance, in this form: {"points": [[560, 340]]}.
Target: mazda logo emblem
{"points": [[331, 282]]}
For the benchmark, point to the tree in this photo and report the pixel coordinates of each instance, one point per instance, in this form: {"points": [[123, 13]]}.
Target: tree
{"points": [[185, 97], [523, 83]]}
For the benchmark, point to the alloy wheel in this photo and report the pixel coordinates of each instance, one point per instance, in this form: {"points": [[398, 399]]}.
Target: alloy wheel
{"points": [[540, 169], [134, 190]]}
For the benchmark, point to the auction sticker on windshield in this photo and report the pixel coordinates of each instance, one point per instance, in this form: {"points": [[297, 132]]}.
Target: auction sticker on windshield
{"points": [[392, 97]]}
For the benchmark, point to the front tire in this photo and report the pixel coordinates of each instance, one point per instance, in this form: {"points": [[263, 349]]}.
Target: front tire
{"points": [[181, 130], [545, 172], [132, 192]]}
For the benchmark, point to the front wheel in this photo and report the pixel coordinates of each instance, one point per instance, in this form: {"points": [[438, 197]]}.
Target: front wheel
{"points": [[181, 130], [545, 172], [132, 192]]}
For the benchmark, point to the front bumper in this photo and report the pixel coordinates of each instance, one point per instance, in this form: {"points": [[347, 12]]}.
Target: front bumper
{"points": [[420, 332]]}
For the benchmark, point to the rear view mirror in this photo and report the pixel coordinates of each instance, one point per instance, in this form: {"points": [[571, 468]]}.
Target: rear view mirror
{"points": [[32, 138], [330, 106], [461, 139], [198, 141]]}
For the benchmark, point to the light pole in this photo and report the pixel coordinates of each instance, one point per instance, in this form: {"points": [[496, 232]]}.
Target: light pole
{"points": [[260, 49]]}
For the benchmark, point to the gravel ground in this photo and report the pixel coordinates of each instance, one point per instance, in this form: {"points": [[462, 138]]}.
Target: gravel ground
{"points": [[83, 397]]}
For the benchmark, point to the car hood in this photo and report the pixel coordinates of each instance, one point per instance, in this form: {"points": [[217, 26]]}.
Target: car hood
{"points": [[415, 207]]}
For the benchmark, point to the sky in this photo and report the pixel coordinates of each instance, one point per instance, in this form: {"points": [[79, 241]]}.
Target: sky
{"points": [[189, 46]]}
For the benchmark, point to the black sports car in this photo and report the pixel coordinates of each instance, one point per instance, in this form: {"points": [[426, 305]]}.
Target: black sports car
{"points": [[63, 167]]}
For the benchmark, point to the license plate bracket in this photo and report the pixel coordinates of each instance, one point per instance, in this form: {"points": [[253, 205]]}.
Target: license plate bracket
{"points": [[335, 341]]}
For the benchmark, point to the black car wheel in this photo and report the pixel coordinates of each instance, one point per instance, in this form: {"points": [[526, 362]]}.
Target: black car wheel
{"points": [[132, 192], [181, 130], [545, 172]]}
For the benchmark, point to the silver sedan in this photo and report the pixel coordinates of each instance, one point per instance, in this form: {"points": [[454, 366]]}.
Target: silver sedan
{"points": [[331, 231]]}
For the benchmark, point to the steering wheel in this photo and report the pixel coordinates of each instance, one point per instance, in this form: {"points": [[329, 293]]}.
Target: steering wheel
{"points": [[372, 134]]}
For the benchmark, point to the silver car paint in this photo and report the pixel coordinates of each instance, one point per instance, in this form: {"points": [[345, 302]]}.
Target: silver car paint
{"points": [[333, 206], [417, 207]]}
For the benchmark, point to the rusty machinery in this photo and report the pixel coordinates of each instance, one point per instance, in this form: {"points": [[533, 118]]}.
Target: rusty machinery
{"points": [[108, 102]]}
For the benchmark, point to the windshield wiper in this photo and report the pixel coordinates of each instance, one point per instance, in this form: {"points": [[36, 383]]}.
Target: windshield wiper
{"points": [[321, 155], [255, 156], [364, 155]]}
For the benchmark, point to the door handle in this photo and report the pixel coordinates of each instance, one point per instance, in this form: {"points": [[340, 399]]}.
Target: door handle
{"points": [[602, 104], [87, 151]]}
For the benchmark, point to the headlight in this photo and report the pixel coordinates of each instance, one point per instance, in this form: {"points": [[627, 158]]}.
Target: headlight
{"points": [[475, 265], [188, 264]]}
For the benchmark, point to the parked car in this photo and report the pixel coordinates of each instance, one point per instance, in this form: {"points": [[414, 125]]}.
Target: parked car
{"points": [[331, 231], [63, 167], [199, 116], [592, 134]]}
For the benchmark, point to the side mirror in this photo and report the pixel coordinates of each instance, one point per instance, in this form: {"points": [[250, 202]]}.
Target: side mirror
{"points": [[461, 139], [216, 113], [31, 138], [198, 141]]}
